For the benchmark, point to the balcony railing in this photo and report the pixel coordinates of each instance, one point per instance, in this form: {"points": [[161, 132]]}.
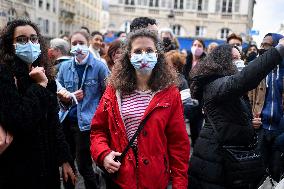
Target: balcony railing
{"points": [[227, 16], [129, 9], [67, 15], [178, 13], [202, 15], [153, 11]]}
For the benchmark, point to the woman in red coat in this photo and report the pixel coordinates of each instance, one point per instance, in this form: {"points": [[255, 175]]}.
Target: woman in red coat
{"points": [[141, 86]]}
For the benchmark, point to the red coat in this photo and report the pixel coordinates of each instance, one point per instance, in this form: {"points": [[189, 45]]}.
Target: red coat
{"points": [[163, 144]]}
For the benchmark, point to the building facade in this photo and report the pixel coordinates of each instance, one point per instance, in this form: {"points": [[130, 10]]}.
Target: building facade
{"points": [[12, 9], [47, 17], [42, 12], [192, 18], [66, 17], [88, 14]]}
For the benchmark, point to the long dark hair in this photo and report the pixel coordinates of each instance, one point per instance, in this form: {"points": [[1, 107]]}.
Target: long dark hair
{"points": [[7, 50], [218, 63], [123, 76]]}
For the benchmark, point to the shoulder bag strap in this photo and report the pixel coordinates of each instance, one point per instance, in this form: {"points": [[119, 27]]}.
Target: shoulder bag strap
{"points": [[129, 145]]}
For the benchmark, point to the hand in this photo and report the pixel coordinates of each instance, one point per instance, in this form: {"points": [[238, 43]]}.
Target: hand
{"points": [[68, 172], [79, 94], [5, 139], [109, 164], [38, 74], [256, 121], [64, 95], [281, 41]]}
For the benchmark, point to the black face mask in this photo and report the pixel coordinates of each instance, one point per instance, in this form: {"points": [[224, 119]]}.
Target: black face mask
{"points": [[167, 41], [261, 51], [251, 56]]}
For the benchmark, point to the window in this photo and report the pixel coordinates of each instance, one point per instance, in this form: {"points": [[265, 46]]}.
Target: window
{"points": [[199, 5], [40, 23], [151, 3], [178, 4], [176, 29], [227, 6], [188, 4], [237, 5], [54, 6], [163, 3], [217, 8], [132, 2], [47, 6], [127, 2], [46, 26], [181, 4], [54, 28], [224, 33], [40, 3], [157, 3], [12, 14], [200, 31]]}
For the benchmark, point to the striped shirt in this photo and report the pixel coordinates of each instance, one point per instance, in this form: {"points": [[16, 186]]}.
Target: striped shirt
{"points": [[133, 107]]}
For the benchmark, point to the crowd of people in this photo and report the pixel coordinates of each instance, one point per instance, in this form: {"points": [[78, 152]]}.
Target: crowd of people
{"points": [[73, 103]]}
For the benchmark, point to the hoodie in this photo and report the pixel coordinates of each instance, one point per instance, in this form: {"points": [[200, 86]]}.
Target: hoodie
{"points": [[272, 112]]}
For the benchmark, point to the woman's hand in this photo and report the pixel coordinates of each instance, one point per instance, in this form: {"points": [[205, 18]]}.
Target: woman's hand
{"points": [[5, 140], [38, 74], [68, 172], [281, 41], [79, 94], [64, 95], [109, 164], [256, 121]]}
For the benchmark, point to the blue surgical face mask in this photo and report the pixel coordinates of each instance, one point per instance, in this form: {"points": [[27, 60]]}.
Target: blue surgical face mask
{"points": [[79, 50], [28, 52], [144, 62]]}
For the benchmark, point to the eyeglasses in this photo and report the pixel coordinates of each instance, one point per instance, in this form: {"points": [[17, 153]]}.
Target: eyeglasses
{"points": [[147, 51], [22, 39]]}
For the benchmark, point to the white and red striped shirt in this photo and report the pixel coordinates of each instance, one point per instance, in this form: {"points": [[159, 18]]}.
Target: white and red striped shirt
{"points": [[133, 107]]}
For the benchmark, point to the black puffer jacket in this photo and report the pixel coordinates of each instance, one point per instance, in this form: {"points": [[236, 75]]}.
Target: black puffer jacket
{"points": [[224, 104], [30, 112]]}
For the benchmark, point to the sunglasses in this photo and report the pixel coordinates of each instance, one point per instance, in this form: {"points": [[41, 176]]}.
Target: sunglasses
{"points": [[22, 39]]}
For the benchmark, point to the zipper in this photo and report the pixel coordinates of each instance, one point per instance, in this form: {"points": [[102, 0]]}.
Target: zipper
{"points": [[272, 106]]}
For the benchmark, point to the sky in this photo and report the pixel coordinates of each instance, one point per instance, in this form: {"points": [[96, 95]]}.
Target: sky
{"points": [[268, 15]]}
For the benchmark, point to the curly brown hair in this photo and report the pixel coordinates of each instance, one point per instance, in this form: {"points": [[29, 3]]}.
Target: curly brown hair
{"points": [[123, 76], [177, 59], [7, 50]]}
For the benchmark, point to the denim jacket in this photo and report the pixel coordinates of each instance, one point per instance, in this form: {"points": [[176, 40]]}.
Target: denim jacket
{"points": [[93, 87]]}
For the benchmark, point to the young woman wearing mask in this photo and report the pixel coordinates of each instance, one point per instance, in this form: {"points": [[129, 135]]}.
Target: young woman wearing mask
{"points": [[220, 86], [84, 76], [141, 88], [28, 111], [193, 58]]}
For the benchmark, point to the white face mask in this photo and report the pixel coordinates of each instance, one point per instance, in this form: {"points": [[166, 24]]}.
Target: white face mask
{"points": [[240, 64]]}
